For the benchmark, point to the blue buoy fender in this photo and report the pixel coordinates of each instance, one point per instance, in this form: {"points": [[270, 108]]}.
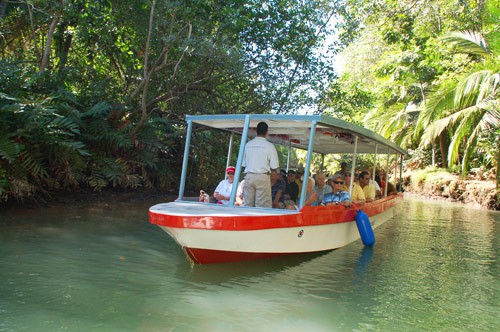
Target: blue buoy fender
{"points": [[365, 228]]}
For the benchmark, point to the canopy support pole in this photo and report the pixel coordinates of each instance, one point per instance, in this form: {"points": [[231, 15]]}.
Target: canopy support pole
{"points": [[387, 172], [241, 153], [400, 186], [185, 160], [308, 164], [229, 151], [353, 164], [288, 156], [395, 170], [375, 162]]}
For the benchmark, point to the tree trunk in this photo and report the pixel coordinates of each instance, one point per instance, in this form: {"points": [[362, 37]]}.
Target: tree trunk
{"points": [[433, 155], [444, 149], [63, 59], [50, 35], [3, 7], [498, 171], [33, 35], [147, 75]]}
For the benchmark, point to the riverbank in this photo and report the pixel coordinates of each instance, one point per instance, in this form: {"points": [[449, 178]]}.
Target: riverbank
{"points": [[432, 185], [85, 197], [438, 184]]}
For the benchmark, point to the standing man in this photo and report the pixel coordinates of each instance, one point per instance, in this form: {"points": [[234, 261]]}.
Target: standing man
{"points": [[260, 158]]}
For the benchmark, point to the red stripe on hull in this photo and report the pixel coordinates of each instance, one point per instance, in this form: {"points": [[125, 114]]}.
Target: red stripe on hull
{"points": [[308, 216], [206, 256]]}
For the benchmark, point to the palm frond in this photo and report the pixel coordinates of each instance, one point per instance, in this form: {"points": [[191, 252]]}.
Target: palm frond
{"points": [[63, 125], [470, 42], [491, 118], [475, 87], [435, 129], [469, 123], [9, 150], [98, 110], [469, 149], [439, 103], [33, 165]]}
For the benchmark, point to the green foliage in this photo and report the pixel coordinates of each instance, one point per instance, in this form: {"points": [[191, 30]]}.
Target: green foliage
{"points": [[419, 177], [432, 86], [469, 105], [347, 102], [94, 93]]}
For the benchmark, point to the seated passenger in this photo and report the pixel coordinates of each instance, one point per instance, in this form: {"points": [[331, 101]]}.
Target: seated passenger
{"points": [[343, 169], [223, 191], [381, 185], [367, 186], [357, 196], [380, 178], [311, 195], [292, 188], [338, 173], [338, 195], [378, 192], [321, 187], [391, 189], [239, 194], [299, 178], [277, 188]]}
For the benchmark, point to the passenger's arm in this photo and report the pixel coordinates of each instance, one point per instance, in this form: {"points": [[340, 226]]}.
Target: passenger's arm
{"points": [[312, 198], [276, 202]]}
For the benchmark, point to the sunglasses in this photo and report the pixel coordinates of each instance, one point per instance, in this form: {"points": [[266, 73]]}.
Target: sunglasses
{"points": [[338, 182], [230, 173]]}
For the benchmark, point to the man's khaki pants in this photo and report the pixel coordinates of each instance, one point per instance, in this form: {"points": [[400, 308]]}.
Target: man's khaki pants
{"points": [[257, 190]]}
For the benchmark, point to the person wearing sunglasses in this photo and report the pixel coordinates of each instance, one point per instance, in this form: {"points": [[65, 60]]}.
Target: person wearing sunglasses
{"points": [[338, 196], [223, 191]]}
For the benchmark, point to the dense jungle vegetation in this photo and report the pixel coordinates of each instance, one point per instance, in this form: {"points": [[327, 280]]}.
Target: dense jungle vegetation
{"points": [[93, 94]]}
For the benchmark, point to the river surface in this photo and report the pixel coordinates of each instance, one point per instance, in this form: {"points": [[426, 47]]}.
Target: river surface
{"points": [[434, 267]]}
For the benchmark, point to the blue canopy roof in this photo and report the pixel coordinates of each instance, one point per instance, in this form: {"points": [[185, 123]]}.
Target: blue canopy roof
{"points": [[332, 135]]}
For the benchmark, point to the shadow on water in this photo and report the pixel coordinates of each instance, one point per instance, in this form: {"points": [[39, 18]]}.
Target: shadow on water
{"points": [[330, 265], [221, 273]]}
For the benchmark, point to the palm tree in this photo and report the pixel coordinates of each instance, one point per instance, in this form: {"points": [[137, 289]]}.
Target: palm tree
{"points": [[467, 107]]}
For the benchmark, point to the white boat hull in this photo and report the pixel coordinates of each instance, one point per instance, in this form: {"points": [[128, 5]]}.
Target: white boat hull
{"points": [[207, 239]]}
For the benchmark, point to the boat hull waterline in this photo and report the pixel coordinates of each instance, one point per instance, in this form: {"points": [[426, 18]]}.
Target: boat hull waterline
{"points": [[211, 233]]}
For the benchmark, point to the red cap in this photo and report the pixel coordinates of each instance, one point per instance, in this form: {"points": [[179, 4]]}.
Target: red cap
{"points": [[231, 169]]}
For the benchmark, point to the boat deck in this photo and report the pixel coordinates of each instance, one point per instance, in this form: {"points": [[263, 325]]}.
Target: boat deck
{"points": [[193, 209]]}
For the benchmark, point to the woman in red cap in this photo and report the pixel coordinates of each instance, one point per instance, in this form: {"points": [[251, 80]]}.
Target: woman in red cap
{"points": [[223, 191]]}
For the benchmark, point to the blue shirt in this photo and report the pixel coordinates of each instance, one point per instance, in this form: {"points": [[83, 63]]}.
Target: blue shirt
{"points": [[277, 186], [341, 196], [315, 203]]}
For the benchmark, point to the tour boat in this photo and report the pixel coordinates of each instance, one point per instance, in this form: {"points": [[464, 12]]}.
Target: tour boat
{"points": [[216, 233]]}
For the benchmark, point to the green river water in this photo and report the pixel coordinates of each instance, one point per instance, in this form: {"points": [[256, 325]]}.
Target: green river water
{"points": [[434, 267]]}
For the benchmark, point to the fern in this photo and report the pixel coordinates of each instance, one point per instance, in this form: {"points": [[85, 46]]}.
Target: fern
{"points": [[9, 150]]}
